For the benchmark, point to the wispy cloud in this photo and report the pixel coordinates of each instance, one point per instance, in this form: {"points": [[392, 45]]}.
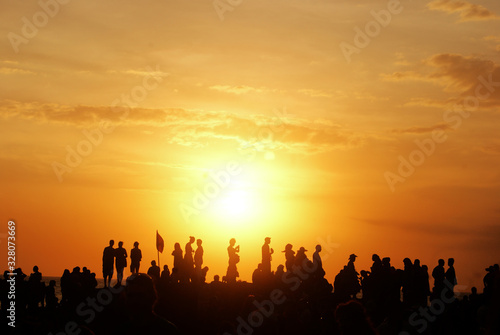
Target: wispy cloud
{"points": [[466, 10], [198, 129], [240, 89], [455, 73], [422, 130], [316, 93], [12, 70]]}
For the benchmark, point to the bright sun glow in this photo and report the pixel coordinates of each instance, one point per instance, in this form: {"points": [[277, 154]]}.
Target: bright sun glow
{"points": [[235, 204]]}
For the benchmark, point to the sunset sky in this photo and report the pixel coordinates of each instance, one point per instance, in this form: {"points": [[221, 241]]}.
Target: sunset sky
{"points": [[368, 127]]}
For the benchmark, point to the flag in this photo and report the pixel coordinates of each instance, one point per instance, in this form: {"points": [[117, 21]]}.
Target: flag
{"points": [[159, 242]]}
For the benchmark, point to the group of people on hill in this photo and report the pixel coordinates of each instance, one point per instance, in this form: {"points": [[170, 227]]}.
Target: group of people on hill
{"points": [[389, 295]]}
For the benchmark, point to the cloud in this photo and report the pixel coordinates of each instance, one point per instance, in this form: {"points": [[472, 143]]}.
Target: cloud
{"points": [[315, 93], [422, 130], [11, 70], [198, 129], [467, 76], [240, 89], [466, 10]]}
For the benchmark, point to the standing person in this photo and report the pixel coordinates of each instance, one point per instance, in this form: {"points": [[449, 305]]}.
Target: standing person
{"points": [[135, 258], [198, 257], [177, 253], [451, 277], [318, 263], [154, 271], [188, 259], [108, 262], [120, 262], [234, 258], [438, 275], [289, 257], [266, 256]]}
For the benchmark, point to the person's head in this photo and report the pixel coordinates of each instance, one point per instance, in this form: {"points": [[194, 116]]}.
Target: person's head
{"points": [[140, 294], [111, 243], [318, 248], [417, 262], [153, 263], [191, 239], [352, 257], [232, 241], [407, 262], [451, 261], [199, 242], [267, 240], [473, 290], [375, 257], [120, 244], [177, 246], [136, 244], [35, 268], [441, 262], [165, 267], [216, 278]]}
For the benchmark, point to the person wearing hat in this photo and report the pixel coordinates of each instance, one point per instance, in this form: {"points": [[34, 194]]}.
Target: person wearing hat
{"points": [[350, 264], [301, 258], [266, 256], [289, 257]]}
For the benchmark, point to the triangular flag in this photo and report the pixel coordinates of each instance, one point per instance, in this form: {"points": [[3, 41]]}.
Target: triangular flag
{"points": [[159, 242]]}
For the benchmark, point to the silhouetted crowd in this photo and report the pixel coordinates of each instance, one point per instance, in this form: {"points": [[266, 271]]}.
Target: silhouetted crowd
{"points": [[295, 298]]}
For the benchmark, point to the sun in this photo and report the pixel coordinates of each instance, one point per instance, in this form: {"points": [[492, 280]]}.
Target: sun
{"points": [[235, 204]]}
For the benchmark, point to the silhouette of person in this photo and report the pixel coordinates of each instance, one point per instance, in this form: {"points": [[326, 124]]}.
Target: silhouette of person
{"points": [[108, 263], [154, 271], [266, 256], [318, 263], [438, 275], [450, 277], [377, 265], [178, 259], [165, 274], [50, 296], [188, 258], [36, 288], [289, 257], [135, 258], [140, 297], [121, 262], [198, 257], [234, 258], [300, 257]]}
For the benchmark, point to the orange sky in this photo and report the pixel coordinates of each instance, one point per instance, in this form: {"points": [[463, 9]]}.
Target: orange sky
{"points": [[119, 119]]}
